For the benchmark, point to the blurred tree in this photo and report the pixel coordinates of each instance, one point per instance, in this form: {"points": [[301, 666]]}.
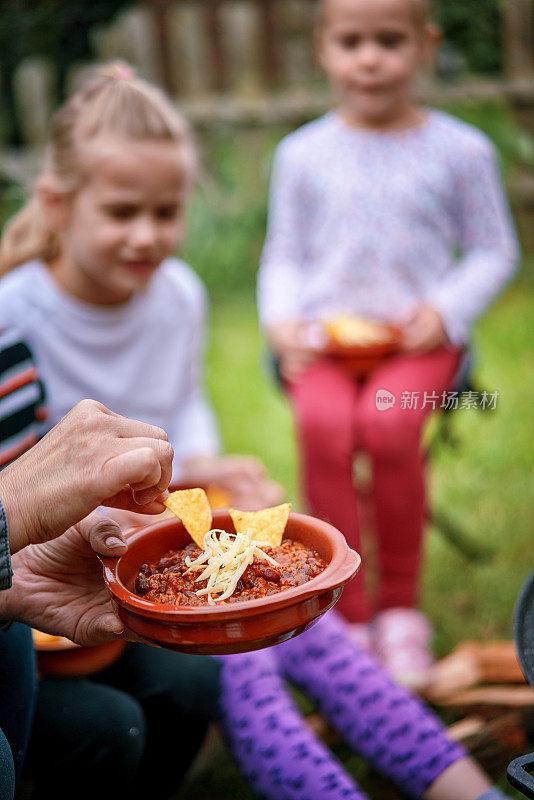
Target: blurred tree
{"points": [[58, 29], [474, 27]]}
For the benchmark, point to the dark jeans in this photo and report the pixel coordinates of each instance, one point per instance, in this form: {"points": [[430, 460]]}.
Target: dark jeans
{"points": [[7, 770], [17, 693], [133, 728]]}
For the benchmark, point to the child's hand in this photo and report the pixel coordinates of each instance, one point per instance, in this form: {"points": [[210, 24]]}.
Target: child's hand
{"points": [[244, 478], [423, 330], [246, 481], [297, 345]]}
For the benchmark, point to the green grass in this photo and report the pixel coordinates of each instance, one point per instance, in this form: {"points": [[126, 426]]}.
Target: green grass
{"points": [[488, 485], [253, 413]]}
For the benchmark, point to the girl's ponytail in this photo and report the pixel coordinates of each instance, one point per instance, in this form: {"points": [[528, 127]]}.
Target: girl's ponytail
{"points": [[27, 236]]}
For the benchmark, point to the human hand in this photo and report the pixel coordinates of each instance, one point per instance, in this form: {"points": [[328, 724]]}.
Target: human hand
{"points": [[246, 481], [423, 330], [244, 478], [91, 457], [297, 345], [58, 585]]}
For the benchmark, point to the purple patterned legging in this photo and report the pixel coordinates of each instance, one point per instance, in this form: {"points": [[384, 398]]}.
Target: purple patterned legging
{"points": [[280, 756]]}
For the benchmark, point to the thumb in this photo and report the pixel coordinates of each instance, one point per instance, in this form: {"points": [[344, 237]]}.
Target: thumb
{"points": [[104, 628], [103, 534], [314, 336], [408, 317]]}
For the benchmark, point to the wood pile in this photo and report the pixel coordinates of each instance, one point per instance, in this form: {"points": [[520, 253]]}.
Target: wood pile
{"points": [[482, 684]]}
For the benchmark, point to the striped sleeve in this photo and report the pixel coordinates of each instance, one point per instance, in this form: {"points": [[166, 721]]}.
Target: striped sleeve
{"points": [[6, 572], [22, 400], [22, 412]]}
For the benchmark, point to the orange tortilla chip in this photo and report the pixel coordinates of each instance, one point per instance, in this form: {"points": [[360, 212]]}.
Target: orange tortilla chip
{"points": [[266, 526], [192, 506]]}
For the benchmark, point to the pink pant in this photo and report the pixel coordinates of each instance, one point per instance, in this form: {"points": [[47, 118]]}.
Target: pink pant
{"points": [[336, 415]]}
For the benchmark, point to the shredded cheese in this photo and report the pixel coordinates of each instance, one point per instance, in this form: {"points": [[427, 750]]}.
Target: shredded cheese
{"points": [[224, 559]]}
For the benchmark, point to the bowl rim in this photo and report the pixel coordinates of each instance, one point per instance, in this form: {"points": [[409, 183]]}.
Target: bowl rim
{"points": [[344, 564]]}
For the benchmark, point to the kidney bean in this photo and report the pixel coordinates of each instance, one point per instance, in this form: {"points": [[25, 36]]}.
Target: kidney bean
{"points": [[141, 584]]}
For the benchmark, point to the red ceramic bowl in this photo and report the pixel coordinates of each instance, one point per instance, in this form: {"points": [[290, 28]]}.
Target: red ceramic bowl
{"points": [[234, 627], [65, 658]]}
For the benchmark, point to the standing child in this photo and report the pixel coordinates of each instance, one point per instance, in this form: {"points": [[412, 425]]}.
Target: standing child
{"points": [[111, 315], [391, 211]]}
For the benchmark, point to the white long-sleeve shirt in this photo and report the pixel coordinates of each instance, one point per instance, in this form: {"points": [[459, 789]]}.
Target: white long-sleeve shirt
{"points": [[373, 223], [142, 359]]}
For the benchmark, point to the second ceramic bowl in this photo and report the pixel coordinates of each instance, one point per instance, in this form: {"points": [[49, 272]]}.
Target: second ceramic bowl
{"points": [[360, 360]]}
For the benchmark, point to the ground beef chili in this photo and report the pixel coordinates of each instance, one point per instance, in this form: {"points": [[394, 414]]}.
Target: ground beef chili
{"points": [[165, 582]]}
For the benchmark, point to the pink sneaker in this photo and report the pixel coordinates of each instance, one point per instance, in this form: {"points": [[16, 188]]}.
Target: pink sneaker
{"points": [[361, 634], [402, 642]]}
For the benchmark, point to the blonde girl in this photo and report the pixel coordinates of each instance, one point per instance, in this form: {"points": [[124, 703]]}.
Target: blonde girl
{"points": [[90, 277]]}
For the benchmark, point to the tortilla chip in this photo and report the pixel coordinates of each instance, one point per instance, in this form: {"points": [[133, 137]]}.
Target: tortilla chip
{"points": [[192, 506], [266, 526]]}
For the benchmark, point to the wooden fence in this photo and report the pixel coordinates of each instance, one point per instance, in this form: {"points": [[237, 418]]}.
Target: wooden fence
{"points": [[243, 61], [197, 49], [265, 32]]}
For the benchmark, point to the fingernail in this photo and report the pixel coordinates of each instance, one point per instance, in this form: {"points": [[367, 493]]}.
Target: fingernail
{"points": [[116, 625], [114, 541]]}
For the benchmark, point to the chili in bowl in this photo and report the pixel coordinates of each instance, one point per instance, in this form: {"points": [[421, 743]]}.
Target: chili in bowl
{"points": [[160, 604], [171, 580]]}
